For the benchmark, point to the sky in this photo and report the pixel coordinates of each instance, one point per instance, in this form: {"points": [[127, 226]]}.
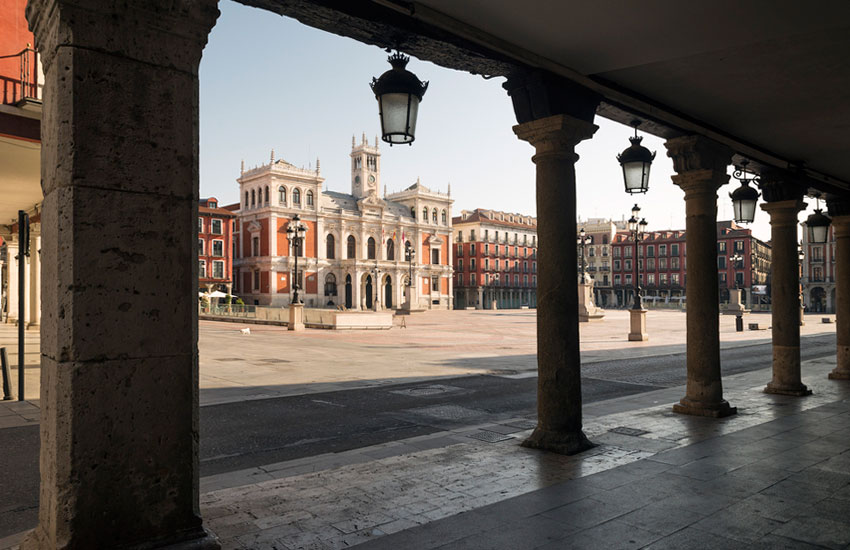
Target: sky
{"points": [[269, 82]]}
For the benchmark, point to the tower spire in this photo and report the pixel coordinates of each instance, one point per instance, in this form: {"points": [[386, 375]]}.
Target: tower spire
{"points": [[242, 167], [352, 141], [317, 165], [272, 156]]}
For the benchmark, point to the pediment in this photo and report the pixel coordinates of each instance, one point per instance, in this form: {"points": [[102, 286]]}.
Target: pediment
{"points": [[435, 240], [253, 226]]}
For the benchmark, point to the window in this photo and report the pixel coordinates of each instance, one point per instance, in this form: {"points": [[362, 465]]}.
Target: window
{"points": [[674, 249], [516, 280], [352, 247], [650, 264], [650, 251], [218, 248], [722, 277], [435, 284], [471, 234], [721, 247], [617, 252], [435, 256], [817, 253], [246, 199], [267, 194], [460, 264], [253, 198], [413, 212], [444, 220], [486, 264], [486, 249], [662, 278], [390, 249], [200, 225], [739, 246], [739, 279], [202, 269], [628, 266], [674, 278], [674, 263], [817, 274], [255, 246], [200, 247], [370, 248], [296, 197], [218, 269], [628, 278], [650, 278], [330, 247], [616, 279], [472, 249], [662, 249], [497, 264], [628, 251], [434, 216], [309, 198], [662, 263], [472, 277], [425, 215], [330, 285], [591, 252], [472, 264], [281, 195], [721, 262], [497, 249], [460, 249], [216, 227], [616, 265]]}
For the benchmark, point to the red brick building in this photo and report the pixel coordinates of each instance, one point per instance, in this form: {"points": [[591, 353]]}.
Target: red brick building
{"points": [[495, 260], [742, 260], [215, 246]]}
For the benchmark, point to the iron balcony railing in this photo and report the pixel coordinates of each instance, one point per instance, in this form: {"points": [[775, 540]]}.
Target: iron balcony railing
{"points": [[19, 77]]}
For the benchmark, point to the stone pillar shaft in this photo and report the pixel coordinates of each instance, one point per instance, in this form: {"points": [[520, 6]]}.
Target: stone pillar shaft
{"points": [[559, 415], [785, 298], [841, 228], [700, 165], [34, 308], [12, 278], [119, 373]]}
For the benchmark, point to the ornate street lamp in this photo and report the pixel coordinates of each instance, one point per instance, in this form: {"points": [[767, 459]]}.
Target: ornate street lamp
{"points": [[583, 240], [744, 198], [638, 230], [636, 161], [399, 93], [736, 259], [295, 231], [411, 255], [818, 225]]}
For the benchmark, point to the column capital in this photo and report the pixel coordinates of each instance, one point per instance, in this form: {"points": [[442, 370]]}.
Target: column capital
{"points": [[838, 206], [841, 226], [555, 135], [168, 34], [699, 162], [783, 213], [779, 185]]}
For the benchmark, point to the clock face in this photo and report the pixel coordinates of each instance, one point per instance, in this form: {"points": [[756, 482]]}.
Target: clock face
{"points": [[371, 179], [357, 180]]}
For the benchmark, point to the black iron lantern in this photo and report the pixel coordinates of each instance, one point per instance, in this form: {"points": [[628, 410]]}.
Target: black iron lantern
{"points": [[636, 161], [744, 198], [399, 93], [818, 225]]}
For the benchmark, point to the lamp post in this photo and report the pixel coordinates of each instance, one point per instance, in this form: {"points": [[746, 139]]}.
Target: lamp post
{"points": [[637, 315], [802, 256], [410, 255], [583, 240], [295, 232]]}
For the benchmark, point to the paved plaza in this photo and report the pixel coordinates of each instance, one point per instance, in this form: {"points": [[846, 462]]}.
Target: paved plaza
{"points": [[773, 476]]}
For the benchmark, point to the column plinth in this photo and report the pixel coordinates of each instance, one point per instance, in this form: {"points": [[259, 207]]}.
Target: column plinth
{"points": [[700, 165], [841, 229], [119, 358], [559, 414], [785, 294]]}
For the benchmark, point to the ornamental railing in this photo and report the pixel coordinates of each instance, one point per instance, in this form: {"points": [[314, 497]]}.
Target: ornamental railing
{"points": [[19, 77]]}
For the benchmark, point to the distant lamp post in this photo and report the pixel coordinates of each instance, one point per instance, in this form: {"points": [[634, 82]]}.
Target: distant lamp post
{"points": [[736, 259], [295, 232], [818, 225], [583, 240], [636, 161], [410, 254], [637, 315], [399, 93], [744, 198]]}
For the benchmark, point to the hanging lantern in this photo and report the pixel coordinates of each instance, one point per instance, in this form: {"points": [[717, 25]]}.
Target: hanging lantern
{"points": [[818, 225], [636, 161], [398, 92], [744, 198]]}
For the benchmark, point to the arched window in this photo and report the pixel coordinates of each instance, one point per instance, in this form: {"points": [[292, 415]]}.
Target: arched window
{"points": [[253, 198], [352, 247], [309, 198], [434, 216], [412, 212], [425, 215], [390, 250], [267, 194], [444, 217], [330, 285], [296, 197], [281, 195], [370, 248], [246, 199], [330, 247]]}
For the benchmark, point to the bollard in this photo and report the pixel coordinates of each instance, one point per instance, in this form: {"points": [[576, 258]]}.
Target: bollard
{"points": [[7, 377], [739, 323]]}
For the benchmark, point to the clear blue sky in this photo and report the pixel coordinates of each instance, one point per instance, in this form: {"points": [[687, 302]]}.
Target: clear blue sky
{"points": [[269, 82]]}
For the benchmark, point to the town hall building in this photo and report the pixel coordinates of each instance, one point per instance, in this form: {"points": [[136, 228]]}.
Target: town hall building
{"points": [[355, 247]]}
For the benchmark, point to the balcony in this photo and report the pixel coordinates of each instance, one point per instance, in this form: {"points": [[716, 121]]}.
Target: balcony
{"points": [[24, 89]]}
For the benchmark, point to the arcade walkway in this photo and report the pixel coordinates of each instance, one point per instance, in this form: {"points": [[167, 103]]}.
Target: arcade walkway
{"points": [[773, 476]]}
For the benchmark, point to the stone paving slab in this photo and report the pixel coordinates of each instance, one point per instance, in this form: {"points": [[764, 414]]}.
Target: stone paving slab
{"points": [[683, 477]]}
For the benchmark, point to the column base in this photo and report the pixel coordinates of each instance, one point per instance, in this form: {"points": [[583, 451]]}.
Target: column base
{"points": [[565, 443], [196, 539], [33, 325], [711, 410], [839, 375], [796, 390]]}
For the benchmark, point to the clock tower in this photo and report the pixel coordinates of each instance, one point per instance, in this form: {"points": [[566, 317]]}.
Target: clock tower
{"points": [[365, 168]]}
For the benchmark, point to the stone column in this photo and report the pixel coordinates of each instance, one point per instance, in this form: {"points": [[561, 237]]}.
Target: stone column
{"points": [[12, 278], [785, 294], [700, 166], [34, 308], [840, 212], [480, 303], [559, 424], [119, 356]]}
